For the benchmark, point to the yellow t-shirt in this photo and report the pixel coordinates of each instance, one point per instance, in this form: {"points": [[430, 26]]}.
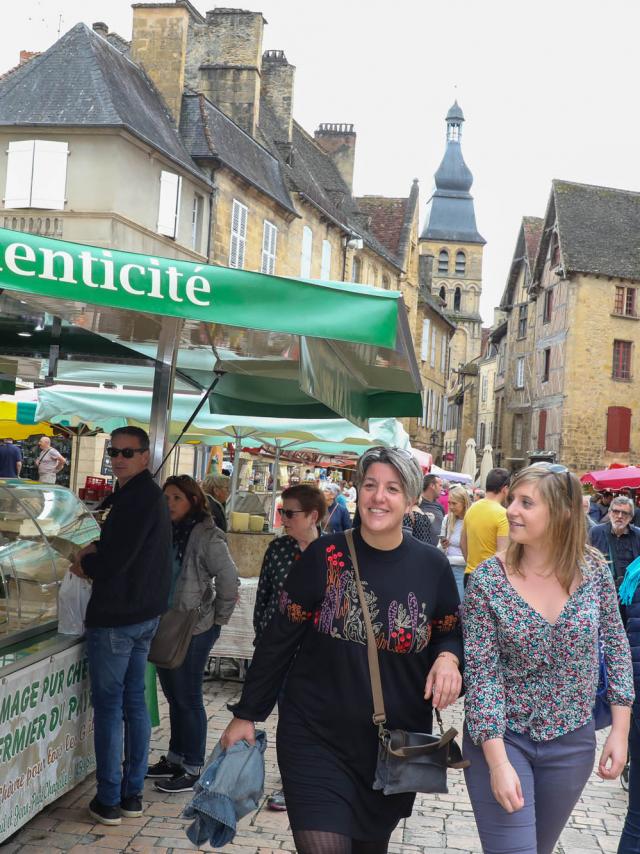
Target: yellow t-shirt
{"points": [[484, 522]]}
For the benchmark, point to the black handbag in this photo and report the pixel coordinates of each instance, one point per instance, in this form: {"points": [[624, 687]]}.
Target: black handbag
{"points": [[407, 761]]}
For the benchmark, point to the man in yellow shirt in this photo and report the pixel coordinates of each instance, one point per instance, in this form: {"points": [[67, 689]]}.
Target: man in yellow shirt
{"points": [[485, 529]]}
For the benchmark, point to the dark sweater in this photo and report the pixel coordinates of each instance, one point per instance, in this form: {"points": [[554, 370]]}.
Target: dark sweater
{"points": [[131, 570]]}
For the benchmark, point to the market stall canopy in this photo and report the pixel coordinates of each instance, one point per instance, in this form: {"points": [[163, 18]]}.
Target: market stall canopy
{"points": [[304, 348], [109, 409], [424, 459], [18, 421], [617, 478], [451, 476]]}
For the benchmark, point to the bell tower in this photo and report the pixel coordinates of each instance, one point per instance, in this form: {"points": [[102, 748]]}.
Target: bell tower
{"points": [[450, 236]]}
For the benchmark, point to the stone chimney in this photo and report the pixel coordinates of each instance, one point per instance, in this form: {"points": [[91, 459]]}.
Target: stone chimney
{"points": [[26, 55], [425, 273], [159, 45], [224, 63], [339, 141], [276, 89], [100, 28]]}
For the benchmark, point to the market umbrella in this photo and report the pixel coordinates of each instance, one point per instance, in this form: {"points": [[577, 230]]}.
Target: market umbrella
{"points": [[617, 478], [469, 463], [486, 464], [451, 476]]}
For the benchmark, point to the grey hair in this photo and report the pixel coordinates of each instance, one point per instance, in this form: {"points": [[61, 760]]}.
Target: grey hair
{"points": [[406, 465], [333, 488], [215, 481], [623, 499]]}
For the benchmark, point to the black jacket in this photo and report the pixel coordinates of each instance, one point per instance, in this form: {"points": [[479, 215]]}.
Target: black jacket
{"points": [[131, 570]]}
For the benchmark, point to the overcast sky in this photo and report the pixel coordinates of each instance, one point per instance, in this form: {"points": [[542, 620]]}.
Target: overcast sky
{"points": [[548, 90]]}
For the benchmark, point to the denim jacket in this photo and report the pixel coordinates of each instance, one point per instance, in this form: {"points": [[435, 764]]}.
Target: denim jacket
{"points": [[231, 785]]}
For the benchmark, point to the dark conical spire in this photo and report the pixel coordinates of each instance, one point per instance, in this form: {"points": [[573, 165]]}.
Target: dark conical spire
{"points": [[450, 212]]}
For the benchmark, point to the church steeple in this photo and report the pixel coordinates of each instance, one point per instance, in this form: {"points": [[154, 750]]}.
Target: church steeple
{"points": [[450, 212]]}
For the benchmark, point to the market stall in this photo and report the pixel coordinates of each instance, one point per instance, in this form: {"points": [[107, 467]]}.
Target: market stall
{"points": [[613, 478]]}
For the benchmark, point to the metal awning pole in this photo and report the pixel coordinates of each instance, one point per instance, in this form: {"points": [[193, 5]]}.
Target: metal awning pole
{"points": [[163, 378], [235, 475], [274, 486]]}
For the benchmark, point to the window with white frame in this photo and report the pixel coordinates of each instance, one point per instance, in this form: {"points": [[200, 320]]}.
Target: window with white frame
{"points": [[197, 215], [269, 243], [325, 263], [485, 387], [239, 218], [433, 348], [520, 372], [36, 174], [169, 204], [306, 252], [424, 345]]}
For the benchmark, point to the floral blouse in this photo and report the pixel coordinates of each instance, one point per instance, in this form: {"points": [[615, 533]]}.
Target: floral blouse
{"points": [[279, 557], [524, 674]]}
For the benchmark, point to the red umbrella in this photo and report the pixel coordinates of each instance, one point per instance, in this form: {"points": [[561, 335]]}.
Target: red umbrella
{"points": [[617, 478]]}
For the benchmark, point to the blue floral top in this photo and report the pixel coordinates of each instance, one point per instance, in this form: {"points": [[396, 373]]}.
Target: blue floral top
{"points": [[524, 674]]}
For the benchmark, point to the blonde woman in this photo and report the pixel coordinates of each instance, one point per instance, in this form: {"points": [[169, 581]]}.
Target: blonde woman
{"points": [[459, 503], [532, 619]]}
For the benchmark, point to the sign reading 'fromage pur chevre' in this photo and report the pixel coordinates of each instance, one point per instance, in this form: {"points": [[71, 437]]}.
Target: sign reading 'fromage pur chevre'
{"points": [[46, 735], [123, 280]]}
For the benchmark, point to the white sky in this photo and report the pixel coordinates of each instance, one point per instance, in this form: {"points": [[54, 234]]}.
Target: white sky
{"points": [[548, 89]]}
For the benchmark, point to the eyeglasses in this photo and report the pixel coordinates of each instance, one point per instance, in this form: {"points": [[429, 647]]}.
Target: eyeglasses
{"points": [[558, 468], [624, 513], [127, 453], [289, 513]]}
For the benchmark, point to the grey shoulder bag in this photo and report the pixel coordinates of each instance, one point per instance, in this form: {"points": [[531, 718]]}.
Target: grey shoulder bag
{"points": [[407, 761]]}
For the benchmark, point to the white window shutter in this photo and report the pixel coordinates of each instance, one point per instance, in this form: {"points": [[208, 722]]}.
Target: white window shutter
{"points": [[433, 348], [17, 193], [168, 206], [424, 346], [307, 248], [325, 269], [239, 219], [443, 354], [269, 247], [49, 179]]}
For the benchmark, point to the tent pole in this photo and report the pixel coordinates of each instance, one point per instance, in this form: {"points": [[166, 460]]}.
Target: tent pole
{"points": [[163, 378], [274, 487], [236, 470]]}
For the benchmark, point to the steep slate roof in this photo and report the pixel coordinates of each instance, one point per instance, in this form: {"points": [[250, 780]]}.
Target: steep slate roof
{"points": [[391, 220], [209, 134], [527, 245], [82, 80], [532, 228], [598, 228]]}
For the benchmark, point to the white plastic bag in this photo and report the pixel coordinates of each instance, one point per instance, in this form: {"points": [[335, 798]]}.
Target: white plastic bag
{"points": [[73, 598]]}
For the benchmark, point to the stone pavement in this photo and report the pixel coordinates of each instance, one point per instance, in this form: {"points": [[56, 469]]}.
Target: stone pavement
{"points": [[439, 824]]}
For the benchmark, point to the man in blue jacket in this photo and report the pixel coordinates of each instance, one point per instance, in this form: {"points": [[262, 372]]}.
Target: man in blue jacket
{"points": [[338, 518], [130, 569], [618, 539]]}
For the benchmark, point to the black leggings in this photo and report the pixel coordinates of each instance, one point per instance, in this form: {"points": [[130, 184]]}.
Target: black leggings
{"points": [[323, 842]]}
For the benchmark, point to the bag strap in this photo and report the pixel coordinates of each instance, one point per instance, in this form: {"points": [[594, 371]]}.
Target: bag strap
{"points": [[379, 714]]}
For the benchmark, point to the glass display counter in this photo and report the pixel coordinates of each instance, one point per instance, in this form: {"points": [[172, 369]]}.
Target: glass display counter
{"points": [[41, 529]]}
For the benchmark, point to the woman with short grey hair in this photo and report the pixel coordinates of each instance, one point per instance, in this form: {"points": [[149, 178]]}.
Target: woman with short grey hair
{"points": [[327, 744]]}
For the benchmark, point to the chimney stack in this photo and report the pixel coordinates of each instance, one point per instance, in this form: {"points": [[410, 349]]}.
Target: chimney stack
{"points": [[277, 90], [100, 28], [26, 55], [339, 142], [425, 273]]}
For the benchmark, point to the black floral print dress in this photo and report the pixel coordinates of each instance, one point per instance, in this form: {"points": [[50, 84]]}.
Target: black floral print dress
{"points": [[327, 743], [278, 559]]}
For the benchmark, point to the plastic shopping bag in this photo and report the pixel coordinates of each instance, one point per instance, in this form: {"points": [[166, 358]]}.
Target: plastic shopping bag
{"points": [[73, 598]]}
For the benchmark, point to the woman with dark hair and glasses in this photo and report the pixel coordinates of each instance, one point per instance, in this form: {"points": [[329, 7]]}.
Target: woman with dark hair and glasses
{"points": [[327, 742], [204, 576], [533, 617]]}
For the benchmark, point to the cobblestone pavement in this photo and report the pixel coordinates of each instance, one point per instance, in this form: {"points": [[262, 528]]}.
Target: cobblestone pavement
{"points": [[439, 824]]}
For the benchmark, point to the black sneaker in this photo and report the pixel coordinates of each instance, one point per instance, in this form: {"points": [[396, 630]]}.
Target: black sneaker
{"points": [[105, 814], [131, 807], [163, 768], [180, 783]]}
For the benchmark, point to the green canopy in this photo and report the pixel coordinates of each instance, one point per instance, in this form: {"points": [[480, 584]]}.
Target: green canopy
{"points": [[302, 348]]}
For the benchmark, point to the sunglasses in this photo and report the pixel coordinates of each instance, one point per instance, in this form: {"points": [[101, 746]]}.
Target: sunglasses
{"points": [[127, 453], [289, 513], [558, 468]]}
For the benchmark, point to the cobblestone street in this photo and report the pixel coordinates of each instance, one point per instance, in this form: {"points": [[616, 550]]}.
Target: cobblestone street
{"points": [[439, 824]]}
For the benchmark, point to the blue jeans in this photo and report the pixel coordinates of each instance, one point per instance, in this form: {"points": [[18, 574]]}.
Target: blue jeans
{"points": [[458, 574], [117, 662], [183, 689], [630, 839]]}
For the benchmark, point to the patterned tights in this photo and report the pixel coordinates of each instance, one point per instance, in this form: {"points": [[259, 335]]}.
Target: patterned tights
{"points": [[323, 842]]}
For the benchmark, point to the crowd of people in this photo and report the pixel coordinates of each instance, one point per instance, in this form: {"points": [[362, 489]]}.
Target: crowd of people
{"points": [[508, 589]]}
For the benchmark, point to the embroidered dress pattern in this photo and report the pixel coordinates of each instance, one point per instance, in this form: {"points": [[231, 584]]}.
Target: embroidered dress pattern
{"points": [[530, 676], [280, 556]]}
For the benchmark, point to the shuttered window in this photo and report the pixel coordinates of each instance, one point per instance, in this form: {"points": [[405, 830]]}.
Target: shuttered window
{"points": [[542, 429], [618, 429], [36, 174], [269, 243], [424, 346], [325, 266], [433, 348], [306, 252], [520, 372], [169, 204], [239, 217], [443, 354]]}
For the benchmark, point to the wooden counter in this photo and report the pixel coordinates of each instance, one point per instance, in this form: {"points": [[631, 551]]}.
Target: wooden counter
{"points": [[247, 550]]}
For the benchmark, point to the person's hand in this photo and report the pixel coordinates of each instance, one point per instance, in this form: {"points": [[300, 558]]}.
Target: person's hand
{"points": [[614, 756], [444, 542], [444, 681], [505, 786], [76, 569], [237, 731]]}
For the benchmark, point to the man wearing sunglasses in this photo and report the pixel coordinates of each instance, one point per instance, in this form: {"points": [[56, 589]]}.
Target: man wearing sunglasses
{"points": [[618, 539], [130, 570]]}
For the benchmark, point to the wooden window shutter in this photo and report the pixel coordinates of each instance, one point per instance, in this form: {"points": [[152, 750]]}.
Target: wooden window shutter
{"points": [[17, 193], [542, 430], [49, 175], [618, 429]]}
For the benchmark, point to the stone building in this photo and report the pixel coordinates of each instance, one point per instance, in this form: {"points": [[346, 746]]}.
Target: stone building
{"points": [[451, 239], [182, 143], [487, 374], [513, 407]]}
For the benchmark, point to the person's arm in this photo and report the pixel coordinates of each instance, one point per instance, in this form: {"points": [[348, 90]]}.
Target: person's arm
{"points": [[346, 518], [620, 689], [463, 542], [18, 467], [502, 535], [444, 680], [60, 461], [224, 573], [264, 589]]}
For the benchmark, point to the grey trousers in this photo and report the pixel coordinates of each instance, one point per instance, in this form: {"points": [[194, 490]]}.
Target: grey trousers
{"points": [[552, 775]]}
